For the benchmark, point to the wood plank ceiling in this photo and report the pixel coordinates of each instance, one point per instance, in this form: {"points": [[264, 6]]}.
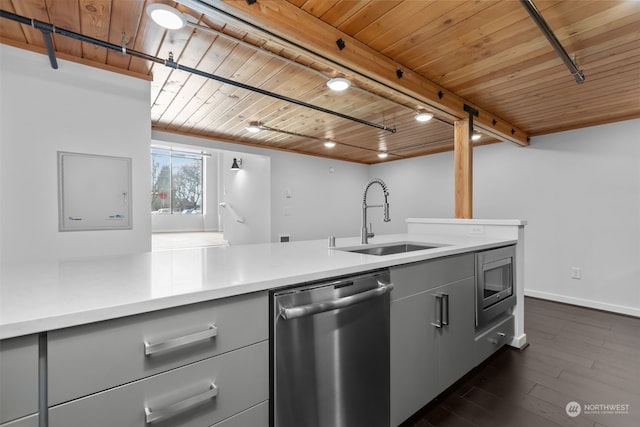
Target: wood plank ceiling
{"points": [[487, 54]]}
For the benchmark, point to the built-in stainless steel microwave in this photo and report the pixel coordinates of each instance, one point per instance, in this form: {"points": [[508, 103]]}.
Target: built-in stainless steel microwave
{"points": [[495, 283]]}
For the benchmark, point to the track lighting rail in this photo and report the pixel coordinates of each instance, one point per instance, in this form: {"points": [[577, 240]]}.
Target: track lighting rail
{"points": [[49, 28], [546, 30]]}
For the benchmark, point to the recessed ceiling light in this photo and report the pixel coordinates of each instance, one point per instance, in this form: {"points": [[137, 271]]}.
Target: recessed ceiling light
{"points": [[254, 127], [338, 84], [329, 144], [476, 136], [383, 154], [166, 16], [424, 117]]}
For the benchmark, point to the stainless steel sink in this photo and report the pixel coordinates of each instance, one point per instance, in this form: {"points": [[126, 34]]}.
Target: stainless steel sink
{"points": [[390, 248]]}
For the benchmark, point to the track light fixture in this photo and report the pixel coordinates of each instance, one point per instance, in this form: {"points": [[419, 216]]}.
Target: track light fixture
{"points": [[424, 116], [338, 84], [166, 16], [254, 127], [476, 136]]}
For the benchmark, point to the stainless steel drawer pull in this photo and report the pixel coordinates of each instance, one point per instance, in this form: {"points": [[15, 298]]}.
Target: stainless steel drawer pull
{"points": [[178, 407], [150, 349], [496, 341]]}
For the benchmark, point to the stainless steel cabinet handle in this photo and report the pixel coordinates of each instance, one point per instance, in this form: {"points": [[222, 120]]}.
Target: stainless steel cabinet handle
{"points": [[445, 298], [496, 341], [178, 407], [150, 349], [439, 299], [289, 313]]}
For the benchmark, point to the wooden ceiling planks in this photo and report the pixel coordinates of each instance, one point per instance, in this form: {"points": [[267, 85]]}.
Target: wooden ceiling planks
{"points": [[276, 17], [489, 52]]}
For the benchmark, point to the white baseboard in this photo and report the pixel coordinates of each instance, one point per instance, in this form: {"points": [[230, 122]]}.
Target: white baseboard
{"points": [[630, 311], [519, 342]]}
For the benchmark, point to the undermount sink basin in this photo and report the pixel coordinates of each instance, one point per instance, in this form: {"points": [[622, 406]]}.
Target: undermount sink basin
{"points": [[391, 248]]}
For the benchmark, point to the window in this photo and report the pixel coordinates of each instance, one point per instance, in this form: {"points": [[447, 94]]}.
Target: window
{"points": [[176, 180]]}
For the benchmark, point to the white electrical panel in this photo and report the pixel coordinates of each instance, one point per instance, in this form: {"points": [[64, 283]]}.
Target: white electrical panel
{"points": [[94, 192]]}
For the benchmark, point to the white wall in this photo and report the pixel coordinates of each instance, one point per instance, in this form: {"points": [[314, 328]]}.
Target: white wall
{"points": [[579, 192], [246, 193], [420, 187], [78, 109], [311, 197]]}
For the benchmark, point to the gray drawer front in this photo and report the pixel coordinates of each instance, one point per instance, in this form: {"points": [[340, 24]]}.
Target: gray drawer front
{"points": [[412, 279], [258, 416], [491, 340], [95, 357], [30, 421], [19, 377], [242, 378]]}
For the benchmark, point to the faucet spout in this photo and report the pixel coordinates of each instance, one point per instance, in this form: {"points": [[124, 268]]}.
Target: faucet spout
{"points": [[365, 233]]}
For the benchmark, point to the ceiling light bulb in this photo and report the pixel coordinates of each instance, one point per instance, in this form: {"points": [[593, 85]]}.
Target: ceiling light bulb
{"points": [[424, 117], [383, 154], [476, 136], [166, 16], [329, 144], [338, 84], [253, 127]]}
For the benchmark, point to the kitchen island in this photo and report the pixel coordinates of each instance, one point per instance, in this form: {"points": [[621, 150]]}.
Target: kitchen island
{"points": [[92, 313], [47, 295]]}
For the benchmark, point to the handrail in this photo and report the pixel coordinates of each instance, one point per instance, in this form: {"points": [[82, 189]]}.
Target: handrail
{"points": [[235, 214]]}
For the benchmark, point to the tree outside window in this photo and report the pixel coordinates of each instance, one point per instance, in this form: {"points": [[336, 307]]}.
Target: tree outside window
{"points": [[176, 179]]}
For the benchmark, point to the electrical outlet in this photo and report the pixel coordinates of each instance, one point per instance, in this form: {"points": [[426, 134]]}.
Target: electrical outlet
{"points": [[284, 238], [576, 273], [477, 229]]}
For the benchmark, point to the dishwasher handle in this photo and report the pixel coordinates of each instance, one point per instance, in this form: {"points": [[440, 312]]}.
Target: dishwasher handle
{"points": [[289, 313]]}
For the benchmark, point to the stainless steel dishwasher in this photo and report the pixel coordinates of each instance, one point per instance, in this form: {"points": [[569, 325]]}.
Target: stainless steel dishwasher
{"points": [[330, 353]]}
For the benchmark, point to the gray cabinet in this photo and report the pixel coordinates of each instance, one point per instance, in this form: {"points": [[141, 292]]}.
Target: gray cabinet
{"points": [[19, 380], [257, 416], [414, 356], [489, 341], [29, 421], [455, 339], [91, 358], [195, 365], [196, 395], [425, 358]]}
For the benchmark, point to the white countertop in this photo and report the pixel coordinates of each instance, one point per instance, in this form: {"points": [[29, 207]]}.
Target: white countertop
{"points": [[42, 296], [470, 221]]}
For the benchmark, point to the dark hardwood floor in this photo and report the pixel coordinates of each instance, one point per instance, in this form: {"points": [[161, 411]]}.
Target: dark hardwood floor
{"points": [[575, 354]]}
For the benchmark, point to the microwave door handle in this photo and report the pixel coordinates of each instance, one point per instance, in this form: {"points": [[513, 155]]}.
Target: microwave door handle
{"points": [[496, 264]]}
